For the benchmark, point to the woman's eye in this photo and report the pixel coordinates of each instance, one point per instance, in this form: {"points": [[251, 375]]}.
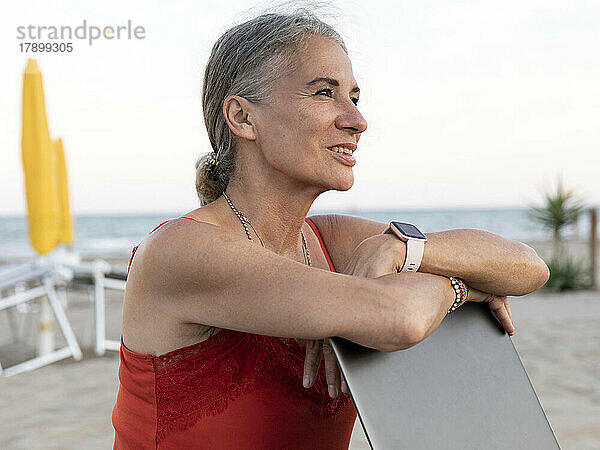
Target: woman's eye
{"points": [[330, 91]]}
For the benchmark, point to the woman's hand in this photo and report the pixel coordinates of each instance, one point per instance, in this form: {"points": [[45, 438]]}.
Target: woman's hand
{"points": [[376, 256], [498, 305], [314, 350]]}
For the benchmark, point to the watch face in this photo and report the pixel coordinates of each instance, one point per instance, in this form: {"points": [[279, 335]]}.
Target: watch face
{"points": [[409, 230]]}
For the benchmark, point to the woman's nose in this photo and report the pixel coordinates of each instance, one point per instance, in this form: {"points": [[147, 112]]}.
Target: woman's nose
{"points": [[352, 119]]}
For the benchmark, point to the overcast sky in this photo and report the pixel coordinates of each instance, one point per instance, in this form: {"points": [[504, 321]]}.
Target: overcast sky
{"points": [[469, 104]]}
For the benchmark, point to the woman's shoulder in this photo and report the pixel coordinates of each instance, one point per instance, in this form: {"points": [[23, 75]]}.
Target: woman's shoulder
{"points": [[167, 252], [178, 230], [149, 324]]}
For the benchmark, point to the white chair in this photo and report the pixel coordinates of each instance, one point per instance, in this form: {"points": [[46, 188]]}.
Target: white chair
{"points": [[48, 276], [100, 275]]}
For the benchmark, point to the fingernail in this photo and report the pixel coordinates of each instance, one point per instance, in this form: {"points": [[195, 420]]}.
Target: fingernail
{"points": [[306, 381], [332, 391], [344, 387]]}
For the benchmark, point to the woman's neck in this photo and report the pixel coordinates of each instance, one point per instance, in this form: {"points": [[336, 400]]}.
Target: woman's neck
{"points": [[275, 209]]}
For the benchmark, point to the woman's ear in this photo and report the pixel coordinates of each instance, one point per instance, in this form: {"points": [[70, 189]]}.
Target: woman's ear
{"points": [[236, 110]]}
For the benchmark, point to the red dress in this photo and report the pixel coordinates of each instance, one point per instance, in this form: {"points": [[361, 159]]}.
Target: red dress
{"points": [[235, 390]]}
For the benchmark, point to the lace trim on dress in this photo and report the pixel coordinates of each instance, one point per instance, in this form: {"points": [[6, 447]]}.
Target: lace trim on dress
{"points": [[201, 379]]}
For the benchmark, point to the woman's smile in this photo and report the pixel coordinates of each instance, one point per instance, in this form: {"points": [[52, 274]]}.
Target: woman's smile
{"points": [[344, 158]]}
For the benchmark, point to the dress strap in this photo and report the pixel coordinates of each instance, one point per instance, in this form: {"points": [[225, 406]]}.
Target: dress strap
{"points": [[316, 230], [191, 218]]}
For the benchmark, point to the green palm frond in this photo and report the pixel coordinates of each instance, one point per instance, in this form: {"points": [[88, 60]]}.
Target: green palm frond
{"points": [[560, 209]]}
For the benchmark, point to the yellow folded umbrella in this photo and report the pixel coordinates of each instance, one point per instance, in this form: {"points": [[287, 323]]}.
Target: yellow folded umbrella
{"points": [[45, 173], [66, 220]]}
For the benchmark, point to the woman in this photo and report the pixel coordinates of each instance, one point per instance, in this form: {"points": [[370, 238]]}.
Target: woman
{"points": [[228, 307]]}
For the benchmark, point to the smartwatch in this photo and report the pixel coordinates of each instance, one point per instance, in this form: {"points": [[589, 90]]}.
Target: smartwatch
{"points": [[415, 244]]}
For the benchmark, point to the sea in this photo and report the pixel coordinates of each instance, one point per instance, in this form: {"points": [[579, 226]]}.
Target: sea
{"points": [[114, 236]]}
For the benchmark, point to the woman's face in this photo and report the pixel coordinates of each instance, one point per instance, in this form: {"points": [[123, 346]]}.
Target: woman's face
{"points": [[307, 116]]}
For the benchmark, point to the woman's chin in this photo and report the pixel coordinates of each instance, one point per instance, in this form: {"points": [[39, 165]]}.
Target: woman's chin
{"points": [[344, 184], [340, 182]]}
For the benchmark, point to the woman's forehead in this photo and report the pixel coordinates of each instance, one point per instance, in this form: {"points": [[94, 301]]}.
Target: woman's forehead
{"points": [[322, 61]]}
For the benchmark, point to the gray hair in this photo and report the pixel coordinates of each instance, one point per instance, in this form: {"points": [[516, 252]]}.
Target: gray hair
{"points": [[245, 61]]}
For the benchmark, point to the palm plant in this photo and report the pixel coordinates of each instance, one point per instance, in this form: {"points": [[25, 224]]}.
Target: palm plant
{"points": [[568, 274], [560, 209]]}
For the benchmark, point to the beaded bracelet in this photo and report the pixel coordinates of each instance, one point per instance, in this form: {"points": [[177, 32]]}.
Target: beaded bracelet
{"points": [[462, 291]]}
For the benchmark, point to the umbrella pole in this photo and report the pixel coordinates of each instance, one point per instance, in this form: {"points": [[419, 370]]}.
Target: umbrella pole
{"points": [[45, 343]]}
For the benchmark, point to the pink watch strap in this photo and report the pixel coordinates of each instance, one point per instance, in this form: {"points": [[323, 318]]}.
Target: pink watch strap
{"points": [[414, 255]]}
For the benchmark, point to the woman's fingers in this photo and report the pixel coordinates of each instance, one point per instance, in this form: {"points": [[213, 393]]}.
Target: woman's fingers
{"points": [[314, 350], [312, 361], [509, 315], [499, 306], [332, 370], [508, 309]]}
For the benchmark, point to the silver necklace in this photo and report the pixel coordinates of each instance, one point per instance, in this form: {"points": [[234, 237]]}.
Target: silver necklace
{"points": [[244, 220]]}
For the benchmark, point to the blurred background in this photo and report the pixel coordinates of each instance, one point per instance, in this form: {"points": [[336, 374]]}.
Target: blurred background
{"points": [[494, 106]]}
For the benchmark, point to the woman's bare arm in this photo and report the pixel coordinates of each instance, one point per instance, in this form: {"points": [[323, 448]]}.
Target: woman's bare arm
{"points": [[489, 262], [486, 261], [200, 274]]}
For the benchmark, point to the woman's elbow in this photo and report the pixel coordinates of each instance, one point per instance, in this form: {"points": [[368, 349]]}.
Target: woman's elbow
{"points": [[409, 333], [403, 343], [542, 271], [535, 272]]}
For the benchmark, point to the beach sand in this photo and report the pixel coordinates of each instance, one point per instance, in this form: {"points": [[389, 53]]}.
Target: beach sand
{"points": [[68, 404]]}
